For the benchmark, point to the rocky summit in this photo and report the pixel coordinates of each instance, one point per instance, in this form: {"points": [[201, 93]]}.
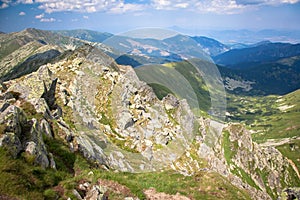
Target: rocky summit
{"points": [[84, 127]]}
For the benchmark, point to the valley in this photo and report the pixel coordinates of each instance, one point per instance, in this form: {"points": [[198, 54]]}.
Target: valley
{"points": [[90, 115]]}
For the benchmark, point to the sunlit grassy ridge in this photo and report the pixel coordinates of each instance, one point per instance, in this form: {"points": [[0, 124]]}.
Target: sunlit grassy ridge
{"points": [[181, 79]]}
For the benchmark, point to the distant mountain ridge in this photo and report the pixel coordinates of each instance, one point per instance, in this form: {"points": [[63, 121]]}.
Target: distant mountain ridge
{"points": [[212, 46], [253, 69], [245, 36], [266, 52], [24, 52], [278, 77], [89, 35]]}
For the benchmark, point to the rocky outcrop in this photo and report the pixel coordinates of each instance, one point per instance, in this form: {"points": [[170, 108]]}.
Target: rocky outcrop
{"points": [[263, 168], [23, 134], [119, 118], [290, 194], [25, 117]]}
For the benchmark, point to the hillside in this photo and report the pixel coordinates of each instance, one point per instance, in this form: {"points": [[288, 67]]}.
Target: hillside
{"points": [[267, 52], [278, 77], [24, 52], [211, 46], [83, 127], [92, 36]]}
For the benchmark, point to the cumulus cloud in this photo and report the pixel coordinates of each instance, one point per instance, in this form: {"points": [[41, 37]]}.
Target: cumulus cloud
{"points": [[214, 6], [4, 5], [265, 2], [219, 6], [48, 20], [40, 16], [26, 1], [88, 6], [22, 13], [120, 6]]}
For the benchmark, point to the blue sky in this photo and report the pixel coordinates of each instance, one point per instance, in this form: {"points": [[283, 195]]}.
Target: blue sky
{"points": [[121, 15]]}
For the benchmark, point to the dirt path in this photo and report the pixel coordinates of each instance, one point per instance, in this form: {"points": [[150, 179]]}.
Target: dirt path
{"points": [[294, 167], [277, 142]]}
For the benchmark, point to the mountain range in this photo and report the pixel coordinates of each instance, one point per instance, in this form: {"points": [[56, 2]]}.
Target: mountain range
{"points": [[244, 36], [77, 124]]}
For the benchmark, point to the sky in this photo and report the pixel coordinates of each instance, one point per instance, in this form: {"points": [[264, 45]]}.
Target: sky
{"points": [[116, 16]]}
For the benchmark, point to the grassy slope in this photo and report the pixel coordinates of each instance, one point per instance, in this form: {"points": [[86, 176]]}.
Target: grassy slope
{"points": [[292, 151], [262, 114], [200, 186], [186, 71], [20, 179]]}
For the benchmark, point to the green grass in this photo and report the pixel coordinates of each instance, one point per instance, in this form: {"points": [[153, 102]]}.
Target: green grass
{"points": [[196, 81], [64, 159], [22, 180], [206, 185], [244, 176], [264, 175], [182, 79], [229, 147], [291, 150], [262, 114], [160, 90], [8, 47]]}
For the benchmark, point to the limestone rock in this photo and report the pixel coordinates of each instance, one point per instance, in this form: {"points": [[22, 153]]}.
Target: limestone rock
{"points": [[23, 134]]}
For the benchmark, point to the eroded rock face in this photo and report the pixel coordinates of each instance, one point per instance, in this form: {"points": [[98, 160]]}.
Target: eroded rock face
{"points": [[23, 122], [262, 167], [117, 118], [24, 135]]}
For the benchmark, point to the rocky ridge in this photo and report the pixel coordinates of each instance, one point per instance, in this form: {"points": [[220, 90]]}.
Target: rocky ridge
{"points": [[103, 111]]}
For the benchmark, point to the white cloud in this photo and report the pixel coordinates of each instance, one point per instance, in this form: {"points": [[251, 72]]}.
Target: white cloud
{"points": [[204, 6], [48, 20], [40, 16], [215, 6], [4, 5], [265, 2], [22, 13], [87, 6], [164, 4], [27, 1], [182, 5], [219, 6], [120, 6], [85, 17]]}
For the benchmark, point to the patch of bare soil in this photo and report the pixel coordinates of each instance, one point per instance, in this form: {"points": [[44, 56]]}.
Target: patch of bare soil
{"points": [[152, 194]]}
